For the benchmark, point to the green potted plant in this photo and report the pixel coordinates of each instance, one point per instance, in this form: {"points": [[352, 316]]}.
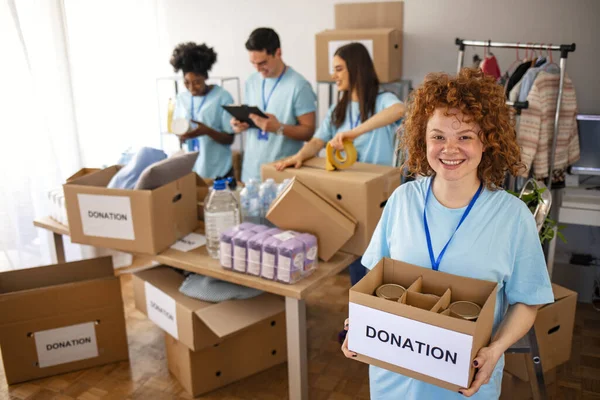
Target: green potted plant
{"points": [[535, 194]]}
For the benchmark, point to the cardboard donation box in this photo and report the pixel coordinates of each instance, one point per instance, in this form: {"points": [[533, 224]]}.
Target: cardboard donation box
{"points": [[211, 344], [385, 14], [514, 388], [417, 336], [139, 221], [553, 326], [60, 318], [361, 191], [383, 44], [301, 209]]}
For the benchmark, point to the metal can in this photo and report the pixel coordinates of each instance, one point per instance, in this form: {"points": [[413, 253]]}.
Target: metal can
{"points": [[465, 309], [390, 291]]}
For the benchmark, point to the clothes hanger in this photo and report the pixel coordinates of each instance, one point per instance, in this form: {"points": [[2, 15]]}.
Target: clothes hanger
{"points": [[550, 63]]}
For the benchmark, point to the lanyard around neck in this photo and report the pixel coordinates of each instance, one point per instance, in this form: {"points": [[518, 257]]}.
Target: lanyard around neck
{"points": [[435, 263]]}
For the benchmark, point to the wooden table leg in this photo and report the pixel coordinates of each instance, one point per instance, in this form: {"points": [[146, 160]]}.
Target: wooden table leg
{"points": [[297, 352], [59, 248]]}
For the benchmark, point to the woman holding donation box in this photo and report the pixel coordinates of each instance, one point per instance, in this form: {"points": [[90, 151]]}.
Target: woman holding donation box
{"points": [[363, 114], [199, 118], [459, 220]]}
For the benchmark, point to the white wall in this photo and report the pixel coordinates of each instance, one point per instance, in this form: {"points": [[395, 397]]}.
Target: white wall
{"points": [[430, 27]]}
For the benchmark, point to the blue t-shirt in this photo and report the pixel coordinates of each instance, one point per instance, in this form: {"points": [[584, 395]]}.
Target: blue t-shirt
{"points": [[292, 98], [498, 242], [214, 159], [375, 147]]}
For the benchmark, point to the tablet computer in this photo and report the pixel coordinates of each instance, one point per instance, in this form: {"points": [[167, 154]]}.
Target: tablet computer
{"points": [[242, 113]]}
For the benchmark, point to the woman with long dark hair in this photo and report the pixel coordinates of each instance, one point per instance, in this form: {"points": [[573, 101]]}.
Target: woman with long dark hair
{"points": [[363, 113]]}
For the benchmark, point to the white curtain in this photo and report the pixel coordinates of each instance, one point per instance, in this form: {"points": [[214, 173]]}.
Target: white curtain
{"points": [[77, 83], [38, 139]]}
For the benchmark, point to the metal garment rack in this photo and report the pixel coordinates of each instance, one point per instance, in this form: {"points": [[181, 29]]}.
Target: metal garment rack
{"points": [[564, 49]]}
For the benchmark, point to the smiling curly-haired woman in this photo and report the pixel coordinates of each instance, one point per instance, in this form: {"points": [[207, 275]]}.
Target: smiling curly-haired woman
{"points": [[458, 220]]}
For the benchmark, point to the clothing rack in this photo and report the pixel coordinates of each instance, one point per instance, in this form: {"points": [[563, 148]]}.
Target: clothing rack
{"points": [[564, 49]]}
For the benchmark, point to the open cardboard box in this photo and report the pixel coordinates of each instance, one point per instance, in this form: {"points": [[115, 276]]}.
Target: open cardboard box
{"points": [[298, 208], [138, 221], [362, 191], [197, 324], [553, 326], [418, 340], [61, 318]]}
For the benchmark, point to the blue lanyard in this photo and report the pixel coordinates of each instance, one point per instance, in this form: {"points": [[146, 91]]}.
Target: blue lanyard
{"points": [[266, 101], [435, 264], [355, 123]]}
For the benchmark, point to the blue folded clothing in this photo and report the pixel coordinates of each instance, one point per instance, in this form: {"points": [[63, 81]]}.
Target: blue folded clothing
{"points": [[206, 288], [128, 176]]}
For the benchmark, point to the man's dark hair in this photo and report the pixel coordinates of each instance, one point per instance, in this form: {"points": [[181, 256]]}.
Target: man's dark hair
{"points": [[263, 39]]}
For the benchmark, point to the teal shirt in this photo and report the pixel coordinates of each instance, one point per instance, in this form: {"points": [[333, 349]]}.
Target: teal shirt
{"points": [[214, 158], [497, 242], [375, 147], [292, 98]]}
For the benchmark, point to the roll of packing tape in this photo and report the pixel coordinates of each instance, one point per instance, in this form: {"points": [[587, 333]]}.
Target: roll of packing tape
{"points": [[335, 159]]}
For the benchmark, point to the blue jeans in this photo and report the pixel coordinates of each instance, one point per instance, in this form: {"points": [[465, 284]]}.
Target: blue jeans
{"points": [[357, 271]]}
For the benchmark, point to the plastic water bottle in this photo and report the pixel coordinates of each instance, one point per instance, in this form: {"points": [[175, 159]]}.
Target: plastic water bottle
{"points": [[221, 212], [250, 202], [281, 187], [267, 193]]}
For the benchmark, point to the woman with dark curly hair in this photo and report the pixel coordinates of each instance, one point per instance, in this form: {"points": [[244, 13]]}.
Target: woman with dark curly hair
{"points": [[201, 105], [458, 134]]}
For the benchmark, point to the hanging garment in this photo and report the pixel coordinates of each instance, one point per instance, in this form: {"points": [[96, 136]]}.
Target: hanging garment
{"points": [[490, 67], [536, 127], [516, 76], [529, 78]]}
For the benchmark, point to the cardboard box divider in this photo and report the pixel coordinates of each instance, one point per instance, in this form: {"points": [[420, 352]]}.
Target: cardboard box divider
{"points": [[361, 191], [197, 324], [463, 339], [61, 318], [301, 209], [138, 221], [553, 326]]}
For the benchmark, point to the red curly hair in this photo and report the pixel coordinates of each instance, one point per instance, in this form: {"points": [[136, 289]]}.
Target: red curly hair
{"points": [[480, 99]]}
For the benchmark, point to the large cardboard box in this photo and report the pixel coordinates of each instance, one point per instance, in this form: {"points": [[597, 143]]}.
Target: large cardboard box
{"points": [[384, 46], [361, 191], [60, 318], [138, 221], [197, 324], [387, 14], [301, 209], [416, 337], [553, 326], [256, 349]]}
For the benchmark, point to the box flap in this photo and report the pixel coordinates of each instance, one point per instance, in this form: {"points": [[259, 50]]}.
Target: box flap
{"points": [[231, 316], [359, 172], [82, 172], [58, 274], [99, 178]]}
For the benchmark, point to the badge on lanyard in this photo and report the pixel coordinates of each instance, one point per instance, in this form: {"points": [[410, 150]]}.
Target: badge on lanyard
{"points": [[435, 263], [194, 144], [262, 135]]}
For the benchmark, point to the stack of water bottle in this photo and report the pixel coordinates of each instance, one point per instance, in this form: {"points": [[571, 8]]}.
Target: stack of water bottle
{"points": [[268, 252], [256, 199]]}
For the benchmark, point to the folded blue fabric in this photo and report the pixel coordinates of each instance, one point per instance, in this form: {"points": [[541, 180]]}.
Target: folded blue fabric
{"points": [[206, 288], [128, 176]]}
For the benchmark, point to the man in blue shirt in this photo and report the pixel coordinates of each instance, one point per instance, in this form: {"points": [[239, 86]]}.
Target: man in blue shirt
{"points": [[284, 95]]}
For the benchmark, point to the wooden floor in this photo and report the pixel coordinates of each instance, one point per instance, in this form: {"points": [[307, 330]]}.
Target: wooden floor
{"points": [[331, 376]]}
